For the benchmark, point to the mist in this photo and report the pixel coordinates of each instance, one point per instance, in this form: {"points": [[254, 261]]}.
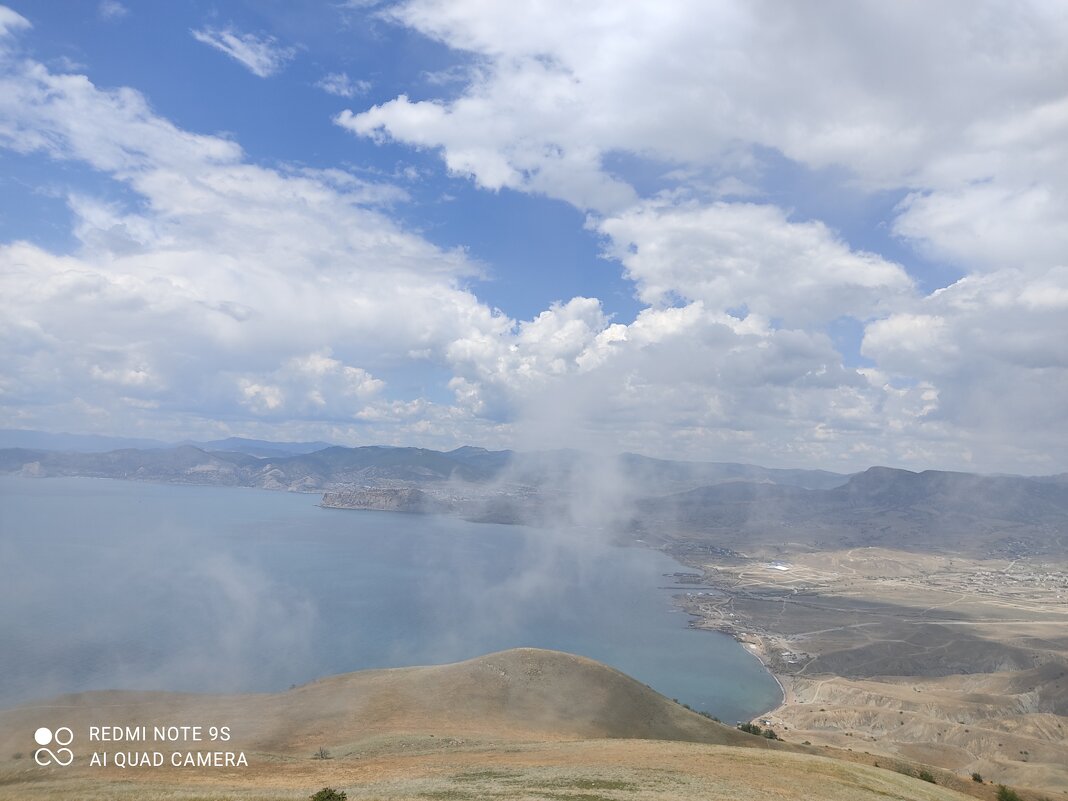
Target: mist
{"points": [[133, 586]]}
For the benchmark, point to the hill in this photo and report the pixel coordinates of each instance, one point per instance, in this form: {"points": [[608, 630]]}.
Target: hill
{"points": [[524, 693], [524, 723]]}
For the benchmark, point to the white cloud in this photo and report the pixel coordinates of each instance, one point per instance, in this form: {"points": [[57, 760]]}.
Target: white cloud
{"points": [[732, 255], [680, 380], [561, 87], [262, 55], [284, 301], [979, 154], [992, 347], [340, 84], [495, 149], [111, 9], [821, 85], [312, 386], [989, 225], [38, 112], [11, 22], [230, 291]]}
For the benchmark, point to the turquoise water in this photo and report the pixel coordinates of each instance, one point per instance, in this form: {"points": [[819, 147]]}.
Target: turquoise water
{"points": [[112, 584]]}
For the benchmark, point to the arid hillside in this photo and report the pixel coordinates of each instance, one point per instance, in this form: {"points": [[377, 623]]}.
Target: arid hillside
{"points": [[519, 724]]}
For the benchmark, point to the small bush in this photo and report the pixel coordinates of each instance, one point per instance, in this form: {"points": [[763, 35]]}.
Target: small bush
{"points": [[1005, 794], [750, 728], [770, 734], [977, 777], [926, 776], [322, 753], [329, 794]]}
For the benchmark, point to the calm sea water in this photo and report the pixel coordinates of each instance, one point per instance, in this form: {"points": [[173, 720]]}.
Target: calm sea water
{"points": [[111, 584]]}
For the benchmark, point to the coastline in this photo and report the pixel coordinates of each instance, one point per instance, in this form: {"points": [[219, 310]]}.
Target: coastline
{"points": [[755, 647], [759, 652]]}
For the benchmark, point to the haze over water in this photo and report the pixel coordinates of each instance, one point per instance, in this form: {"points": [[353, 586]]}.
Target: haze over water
{"points": [[110, 584]]}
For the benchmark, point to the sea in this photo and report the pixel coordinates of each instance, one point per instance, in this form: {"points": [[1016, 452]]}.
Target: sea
{"points": [[108, 584]]}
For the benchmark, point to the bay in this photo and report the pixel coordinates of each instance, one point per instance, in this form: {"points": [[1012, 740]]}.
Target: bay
{"points": [[124, 585]]}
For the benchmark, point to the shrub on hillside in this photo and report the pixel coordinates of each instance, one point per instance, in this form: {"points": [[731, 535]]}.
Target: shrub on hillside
{"points": [[329, 794], [1005, 794]]}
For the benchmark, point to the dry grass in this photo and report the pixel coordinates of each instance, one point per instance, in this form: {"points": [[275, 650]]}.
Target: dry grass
{"points": [[954, 662], [587, 770], [523, 724]]}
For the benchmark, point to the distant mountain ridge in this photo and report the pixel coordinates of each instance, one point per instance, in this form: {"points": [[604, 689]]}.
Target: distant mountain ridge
{"points": [[732, 506], [259, 447], [931, 510], [304, 466], [86, 443], [98, 443], [188, 464]]}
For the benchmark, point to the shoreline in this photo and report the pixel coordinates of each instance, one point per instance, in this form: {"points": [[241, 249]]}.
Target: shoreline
{"points": [[758, 652], [754, 649]]}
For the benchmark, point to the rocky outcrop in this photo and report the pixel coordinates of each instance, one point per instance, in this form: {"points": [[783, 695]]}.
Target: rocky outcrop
{"points": [[403, 499]]}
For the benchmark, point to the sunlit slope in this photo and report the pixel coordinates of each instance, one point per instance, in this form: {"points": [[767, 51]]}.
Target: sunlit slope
{"points": [[522, 693], [524, 723]]}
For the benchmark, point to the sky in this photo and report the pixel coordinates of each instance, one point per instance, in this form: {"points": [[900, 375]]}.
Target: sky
{"points": [[810, 235]]}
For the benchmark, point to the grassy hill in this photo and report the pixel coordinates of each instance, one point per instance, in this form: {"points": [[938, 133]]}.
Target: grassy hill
{"points": [[518, 724]]}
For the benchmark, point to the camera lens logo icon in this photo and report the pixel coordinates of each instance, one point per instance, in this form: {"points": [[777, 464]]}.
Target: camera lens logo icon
{"points": [[61, 737]]}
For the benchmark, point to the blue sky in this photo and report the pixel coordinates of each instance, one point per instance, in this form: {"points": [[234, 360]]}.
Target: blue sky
{"points": [[534, 250], [438, 223]]}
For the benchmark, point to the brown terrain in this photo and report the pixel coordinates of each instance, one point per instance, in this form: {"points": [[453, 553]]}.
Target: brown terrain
{"points": [[957, 663], [521, 724]]}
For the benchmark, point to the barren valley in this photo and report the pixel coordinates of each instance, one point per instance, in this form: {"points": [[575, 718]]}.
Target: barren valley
{"points": [[959, 663]]}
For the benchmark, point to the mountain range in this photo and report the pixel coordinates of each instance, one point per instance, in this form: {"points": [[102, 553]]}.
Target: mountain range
{"points": [[660, 501]]}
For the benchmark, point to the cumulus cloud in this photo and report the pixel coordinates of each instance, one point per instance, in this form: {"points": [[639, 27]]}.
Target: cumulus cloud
{"points": [[312, 384], [992, 346], [228, 291], [679, 380], [260, 54], [824, 87], [732, 255], [288, 298], [558, 91], [562, 88]]}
